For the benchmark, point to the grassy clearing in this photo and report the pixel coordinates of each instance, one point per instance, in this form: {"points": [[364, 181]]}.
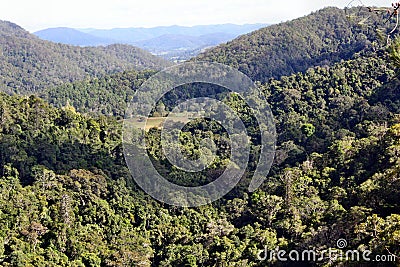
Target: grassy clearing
{"points": [[156, 122]]}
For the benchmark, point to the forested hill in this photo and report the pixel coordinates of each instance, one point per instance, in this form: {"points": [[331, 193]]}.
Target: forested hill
{"points": [[66, 198], [28, 64], [106, 95], [321, 38]]}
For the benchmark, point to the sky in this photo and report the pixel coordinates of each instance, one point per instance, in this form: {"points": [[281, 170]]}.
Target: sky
{"points": [[35, 15]]}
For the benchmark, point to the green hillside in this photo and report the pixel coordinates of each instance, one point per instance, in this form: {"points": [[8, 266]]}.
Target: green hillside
{"points": [[107, 95], [321, 38], [67, 197], [28, 64]]}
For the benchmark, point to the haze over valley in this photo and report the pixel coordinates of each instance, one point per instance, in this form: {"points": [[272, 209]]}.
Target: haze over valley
{"points": [[174, 43]]}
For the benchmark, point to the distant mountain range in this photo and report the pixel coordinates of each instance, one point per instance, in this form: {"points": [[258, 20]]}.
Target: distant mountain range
{"points": [[171, 42], [72, 37]]}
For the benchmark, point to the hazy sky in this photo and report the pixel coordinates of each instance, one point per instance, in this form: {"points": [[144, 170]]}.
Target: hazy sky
{"points": [[39, 14]]}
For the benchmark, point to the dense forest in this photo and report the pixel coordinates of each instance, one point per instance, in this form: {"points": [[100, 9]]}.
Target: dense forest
{"points": [[107, 95], [67, 197]]}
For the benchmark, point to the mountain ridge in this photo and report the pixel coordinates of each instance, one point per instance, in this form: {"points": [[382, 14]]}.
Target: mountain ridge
{"points": [[29, 64], [327, 36], [142, 33], [71, 36], [161, 40]]}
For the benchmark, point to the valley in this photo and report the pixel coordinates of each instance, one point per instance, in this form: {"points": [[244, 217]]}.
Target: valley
{"points": [[68, 197]]}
